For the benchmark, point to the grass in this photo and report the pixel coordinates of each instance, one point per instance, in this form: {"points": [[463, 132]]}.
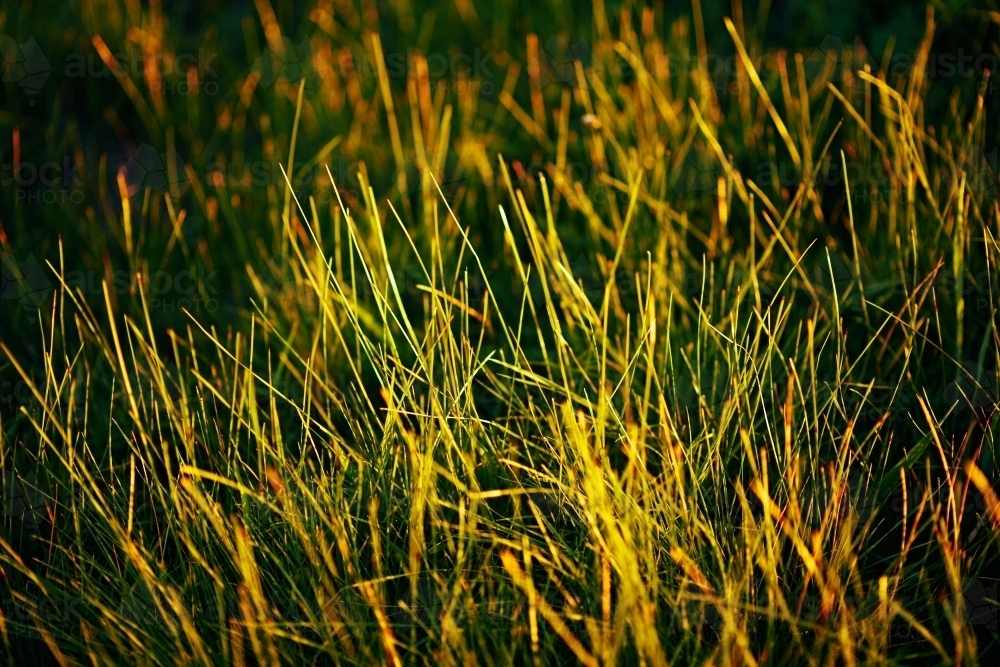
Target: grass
{"points": [[623, 360]]}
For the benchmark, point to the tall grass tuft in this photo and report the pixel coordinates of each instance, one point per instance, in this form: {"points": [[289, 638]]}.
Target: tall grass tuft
{"points": [[678, 410]]}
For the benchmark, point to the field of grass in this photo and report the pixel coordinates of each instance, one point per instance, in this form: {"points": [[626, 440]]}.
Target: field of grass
{"points": [[448, 332]]}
